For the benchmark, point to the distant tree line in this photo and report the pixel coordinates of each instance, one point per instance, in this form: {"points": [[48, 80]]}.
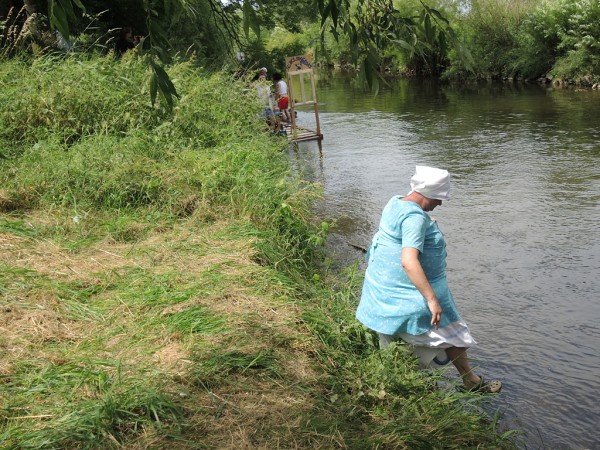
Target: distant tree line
{"points": [[500, 39], [528, 39]]}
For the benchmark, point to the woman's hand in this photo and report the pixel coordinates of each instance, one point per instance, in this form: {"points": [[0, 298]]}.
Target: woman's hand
{"points": [[436, 312]]}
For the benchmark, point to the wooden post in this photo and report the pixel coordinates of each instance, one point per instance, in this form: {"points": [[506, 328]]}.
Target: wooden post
{"points": [[314, 90]]}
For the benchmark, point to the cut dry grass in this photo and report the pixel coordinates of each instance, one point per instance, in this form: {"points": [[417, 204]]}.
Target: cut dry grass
{"points": [[191, 329]]}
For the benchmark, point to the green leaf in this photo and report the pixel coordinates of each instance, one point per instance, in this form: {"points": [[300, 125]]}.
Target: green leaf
{"points": [[158, 51], [439, 15], [429, 31], [58, 19], [79, 5], [443, 46], [335, 33], [67, 7], [246, 18], [321, 5], [165, 86], [405, 45], [335, 11], [157, 32], [325, 14], [250, 19], [153, 87], [164, 81], [369, 70]]}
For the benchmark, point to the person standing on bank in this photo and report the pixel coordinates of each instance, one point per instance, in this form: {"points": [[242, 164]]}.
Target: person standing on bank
{"points": [[405, 293]]}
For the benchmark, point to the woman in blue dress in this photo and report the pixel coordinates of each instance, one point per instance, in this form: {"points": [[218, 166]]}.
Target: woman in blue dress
{"points": [[405, 293]]}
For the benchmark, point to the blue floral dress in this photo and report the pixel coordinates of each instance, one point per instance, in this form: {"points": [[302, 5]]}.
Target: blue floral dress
{"points": [[390, 303]]}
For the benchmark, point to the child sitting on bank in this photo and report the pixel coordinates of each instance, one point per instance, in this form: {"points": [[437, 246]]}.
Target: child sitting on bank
{"points": [[263, 91]]}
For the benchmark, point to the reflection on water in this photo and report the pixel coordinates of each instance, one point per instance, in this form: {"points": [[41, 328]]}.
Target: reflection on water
{"points": [[522, 226]]}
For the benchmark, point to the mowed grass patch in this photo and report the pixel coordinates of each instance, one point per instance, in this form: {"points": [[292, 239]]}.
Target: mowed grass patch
{"points": [[82, 403], [179, 338]]}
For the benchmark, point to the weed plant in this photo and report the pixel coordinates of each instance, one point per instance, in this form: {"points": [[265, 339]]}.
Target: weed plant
{"points": [[162, 285]]}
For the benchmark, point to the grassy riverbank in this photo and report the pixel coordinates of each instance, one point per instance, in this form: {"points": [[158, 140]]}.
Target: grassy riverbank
{"points": [[161, 284]]}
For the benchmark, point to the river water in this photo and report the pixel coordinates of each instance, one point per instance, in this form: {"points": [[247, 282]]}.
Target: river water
{"points": [[522, 227]]}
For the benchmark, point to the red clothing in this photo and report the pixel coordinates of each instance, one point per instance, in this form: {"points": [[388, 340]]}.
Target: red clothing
{"points": [[283, 102]]}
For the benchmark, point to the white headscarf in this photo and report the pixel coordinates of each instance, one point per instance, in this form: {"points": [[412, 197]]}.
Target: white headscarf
{"points": [[431, 183]]}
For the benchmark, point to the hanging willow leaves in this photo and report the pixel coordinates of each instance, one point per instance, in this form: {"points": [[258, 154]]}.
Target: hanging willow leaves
{"points": [[374, 26], [161, 83], [153, 87], [60, 12], [250, 19]]}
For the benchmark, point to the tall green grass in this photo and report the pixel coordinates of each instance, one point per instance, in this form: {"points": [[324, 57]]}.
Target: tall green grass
{"points": [[84, 137], [381, 395], [86, 403]]}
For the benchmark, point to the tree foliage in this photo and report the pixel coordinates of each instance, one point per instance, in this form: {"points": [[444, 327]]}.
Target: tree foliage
{"points": [[203, 27], [528, 38], [211, 30], [374, 26], [523, 38], [291, 16]]}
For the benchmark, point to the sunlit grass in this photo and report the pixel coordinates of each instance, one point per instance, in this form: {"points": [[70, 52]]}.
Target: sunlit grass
{"points": [[85, 402], [195, 320]]}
